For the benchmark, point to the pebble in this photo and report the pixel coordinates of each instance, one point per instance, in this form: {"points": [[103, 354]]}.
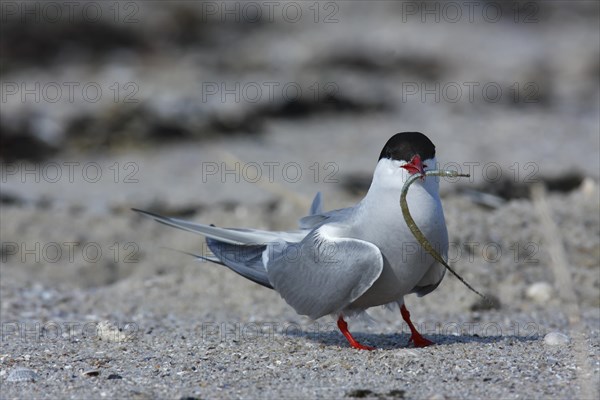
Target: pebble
{"points": [[22, 375], [589, 187], [556, 339], [110, 332], [438, 396], [540, 292]]}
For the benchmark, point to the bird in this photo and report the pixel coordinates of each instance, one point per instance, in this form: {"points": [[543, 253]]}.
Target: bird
{"points": [[345, 261]]}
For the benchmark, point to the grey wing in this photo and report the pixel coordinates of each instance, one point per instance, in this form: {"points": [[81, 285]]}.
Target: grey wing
{"points": [[244, 260], [316, 216], [320, 276], [226, 235], [241, 250], [312, 221], [317, 205]]}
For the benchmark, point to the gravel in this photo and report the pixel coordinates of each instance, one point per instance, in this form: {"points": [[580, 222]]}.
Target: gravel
{"points": [[171, 327]]}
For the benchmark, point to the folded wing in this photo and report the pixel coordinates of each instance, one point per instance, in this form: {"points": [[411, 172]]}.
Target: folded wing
{"points": [[320, 276]]}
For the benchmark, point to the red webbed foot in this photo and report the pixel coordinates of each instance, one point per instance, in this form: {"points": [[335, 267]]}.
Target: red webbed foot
{"points": [[415, 337], [344, 329]]}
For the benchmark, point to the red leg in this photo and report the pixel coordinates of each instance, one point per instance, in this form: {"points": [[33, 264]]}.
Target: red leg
{"points": [[344, 328], [415, 336]]}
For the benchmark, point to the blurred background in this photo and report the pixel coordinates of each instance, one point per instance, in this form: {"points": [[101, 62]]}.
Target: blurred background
{"points": [[512, 82], [237, 113]]}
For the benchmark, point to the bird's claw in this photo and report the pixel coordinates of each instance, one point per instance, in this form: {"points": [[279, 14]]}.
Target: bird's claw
{"points": [[359, 346], [420, 341]]}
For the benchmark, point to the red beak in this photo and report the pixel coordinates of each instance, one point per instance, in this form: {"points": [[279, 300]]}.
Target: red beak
{"points": [[415, 166]]}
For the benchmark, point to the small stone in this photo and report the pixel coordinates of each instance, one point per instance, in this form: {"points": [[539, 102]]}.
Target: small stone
{"points": [[91, 372], [490, 302], [589, 187], [22, 375], [438, 396], [114, 376], [556, 339], [540, 292], [396, 394], [360, 393], [109, 332]]}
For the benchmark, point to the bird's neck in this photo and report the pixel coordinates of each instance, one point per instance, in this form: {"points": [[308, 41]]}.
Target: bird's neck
{"points": [[382, 201]]}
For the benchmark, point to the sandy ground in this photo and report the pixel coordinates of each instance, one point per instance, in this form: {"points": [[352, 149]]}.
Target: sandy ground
{"points": [[196, 329], [95, 304]]}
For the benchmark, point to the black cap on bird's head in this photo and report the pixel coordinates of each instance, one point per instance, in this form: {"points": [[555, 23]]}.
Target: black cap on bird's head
{"points": [[404, 145], [412, 147]]}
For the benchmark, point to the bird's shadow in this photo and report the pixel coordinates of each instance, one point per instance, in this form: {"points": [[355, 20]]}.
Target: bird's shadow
{"points": [[390, 341]]}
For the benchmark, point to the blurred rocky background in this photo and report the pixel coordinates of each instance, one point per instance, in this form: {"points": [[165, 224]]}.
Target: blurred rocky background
{"points": [[237, 113]]}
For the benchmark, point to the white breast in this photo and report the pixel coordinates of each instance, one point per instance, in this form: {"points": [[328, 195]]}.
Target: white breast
{"points": [[380, 221]]}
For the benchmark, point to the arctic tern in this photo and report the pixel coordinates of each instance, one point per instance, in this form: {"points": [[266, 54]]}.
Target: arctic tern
{"points": [[344, 261]]}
